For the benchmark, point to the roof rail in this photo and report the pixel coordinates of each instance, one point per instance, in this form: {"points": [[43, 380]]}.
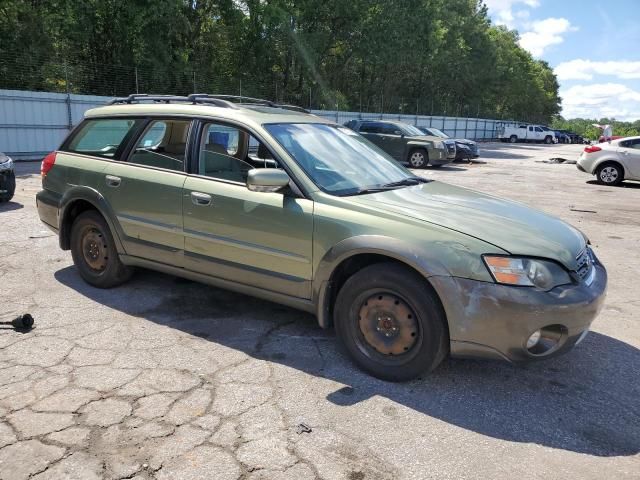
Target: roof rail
{"points": [[137, 97], [223, 101]]}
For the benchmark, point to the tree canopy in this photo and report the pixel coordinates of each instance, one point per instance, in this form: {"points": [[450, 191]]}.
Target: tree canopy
{"points": [[409, 56]]}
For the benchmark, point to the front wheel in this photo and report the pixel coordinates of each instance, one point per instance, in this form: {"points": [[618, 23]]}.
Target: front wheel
{"points": [[94, 252], [391, 322], [548, 140], [418, 158], [610, 174]]}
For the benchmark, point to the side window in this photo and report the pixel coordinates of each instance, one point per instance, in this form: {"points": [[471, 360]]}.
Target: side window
{"points": [[389, 129], [163, 144], [101, 137], [635, 144], [538, 129], [369, 128], [228, 153]]}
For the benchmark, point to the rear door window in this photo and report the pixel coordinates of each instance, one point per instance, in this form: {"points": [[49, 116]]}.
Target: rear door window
{"points": [[163, 145], [102, 137]]}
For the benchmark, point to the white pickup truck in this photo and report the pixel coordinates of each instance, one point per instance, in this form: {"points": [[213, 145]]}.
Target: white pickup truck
{"points": [[527, 133]]}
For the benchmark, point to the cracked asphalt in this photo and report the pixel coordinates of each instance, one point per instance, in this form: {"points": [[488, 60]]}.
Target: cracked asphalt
{"points": [[164, 378]]}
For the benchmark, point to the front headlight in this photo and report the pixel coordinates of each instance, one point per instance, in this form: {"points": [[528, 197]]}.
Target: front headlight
{"points": [[439, 145], [526, 272], [6, 163]]}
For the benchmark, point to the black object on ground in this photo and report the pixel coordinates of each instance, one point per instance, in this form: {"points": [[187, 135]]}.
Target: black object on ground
{"points": [[22, 322], [303, 428]]}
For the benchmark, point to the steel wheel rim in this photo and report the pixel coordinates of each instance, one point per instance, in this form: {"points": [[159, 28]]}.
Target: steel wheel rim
{"points": [[387, 328], [94, 249], [417, 159], [609, 174]]}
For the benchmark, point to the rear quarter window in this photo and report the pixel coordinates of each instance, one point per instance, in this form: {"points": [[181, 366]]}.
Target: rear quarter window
{"points": [[101, 137]]}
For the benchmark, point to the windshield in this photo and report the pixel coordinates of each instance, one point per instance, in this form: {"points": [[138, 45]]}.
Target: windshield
{"points": [[438, 133], [411, 130], [338, 160]]}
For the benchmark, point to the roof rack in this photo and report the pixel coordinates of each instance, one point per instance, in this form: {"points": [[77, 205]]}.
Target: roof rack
{"points": [[223, 101]]}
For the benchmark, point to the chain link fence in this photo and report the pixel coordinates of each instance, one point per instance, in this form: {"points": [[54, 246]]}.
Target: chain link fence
{"points": [[41, 100]]}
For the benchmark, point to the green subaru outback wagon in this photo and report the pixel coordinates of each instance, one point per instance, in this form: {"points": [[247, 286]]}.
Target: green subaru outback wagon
{"points": [[271, 201]]}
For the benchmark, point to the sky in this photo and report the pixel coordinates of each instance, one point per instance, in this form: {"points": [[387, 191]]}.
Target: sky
{"points": [[593, 47]]}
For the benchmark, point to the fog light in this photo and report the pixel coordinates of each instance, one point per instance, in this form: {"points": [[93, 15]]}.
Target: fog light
{"points": [[533, 340]]}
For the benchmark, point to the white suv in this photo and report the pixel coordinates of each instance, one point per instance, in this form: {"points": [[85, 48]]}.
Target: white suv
{"points": [[612, 162]]}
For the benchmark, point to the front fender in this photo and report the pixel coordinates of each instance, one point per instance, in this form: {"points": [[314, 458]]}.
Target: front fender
{"points": [[418, 259], [93, 197]]}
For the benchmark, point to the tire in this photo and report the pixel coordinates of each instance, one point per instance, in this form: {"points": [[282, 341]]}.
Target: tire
{"points": [[513, 139], [94, 252], [8, 185], [418, 158], [391, 323], [610, 174], [548, 140]]}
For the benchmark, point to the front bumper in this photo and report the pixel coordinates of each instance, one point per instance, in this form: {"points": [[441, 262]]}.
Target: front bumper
{"points": [[488, 320]]}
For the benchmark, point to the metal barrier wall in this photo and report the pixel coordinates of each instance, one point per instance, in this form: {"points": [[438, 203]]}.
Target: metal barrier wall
{"points": [[34, 123]]}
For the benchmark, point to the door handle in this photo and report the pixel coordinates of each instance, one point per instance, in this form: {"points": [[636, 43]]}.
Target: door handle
{"points": [[200, 199], [112, 181]]}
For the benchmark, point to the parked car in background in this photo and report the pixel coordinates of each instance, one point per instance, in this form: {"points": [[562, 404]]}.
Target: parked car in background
{"points": [[613, 162], [406, 143], [527, 133], [562, 137], [573, 137], [7, 178], [465, 149], [407, 269]]}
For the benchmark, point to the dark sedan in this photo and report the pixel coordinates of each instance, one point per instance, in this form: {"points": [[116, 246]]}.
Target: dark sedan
{"points": [[465, 149]]}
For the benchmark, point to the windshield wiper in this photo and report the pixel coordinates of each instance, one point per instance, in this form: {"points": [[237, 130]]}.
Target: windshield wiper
{"points": [[405, 182]]}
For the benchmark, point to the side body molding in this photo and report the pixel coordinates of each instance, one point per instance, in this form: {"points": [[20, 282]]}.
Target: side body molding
{"points": [[420, 260]]}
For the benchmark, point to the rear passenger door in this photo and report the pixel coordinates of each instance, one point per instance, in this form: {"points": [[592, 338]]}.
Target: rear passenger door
{"points": [[629, 153], [145, 191]]}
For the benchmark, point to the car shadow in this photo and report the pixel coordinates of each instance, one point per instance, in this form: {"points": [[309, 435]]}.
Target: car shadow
{"points": [[624, 184], [8, 206], [584, 402]]}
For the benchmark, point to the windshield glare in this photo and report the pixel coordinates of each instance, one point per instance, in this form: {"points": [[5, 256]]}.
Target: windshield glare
{"points": [[411, 130], [438, 133], [338, 160]]}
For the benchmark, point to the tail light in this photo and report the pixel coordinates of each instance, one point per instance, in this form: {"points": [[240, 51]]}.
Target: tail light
{"points": [[592, 149], [47, 163]]}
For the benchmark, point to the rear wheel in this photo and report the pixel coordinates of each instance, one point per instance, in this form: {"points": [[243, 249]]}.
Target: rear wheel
{"points": [[391, 323], [94, 252], [418, 158], [513, 139], [610, 174]]}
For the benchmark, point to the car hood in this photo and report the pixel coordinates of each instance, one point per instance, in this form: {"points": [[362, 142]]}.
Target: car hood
{"points": [[427, 138], [509, 225], [464, 141]]}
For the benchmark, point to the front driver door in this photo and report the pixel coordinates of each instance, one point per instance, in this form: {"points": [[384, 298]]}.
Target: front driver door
{"points": [[395, 142], [258, 239]]}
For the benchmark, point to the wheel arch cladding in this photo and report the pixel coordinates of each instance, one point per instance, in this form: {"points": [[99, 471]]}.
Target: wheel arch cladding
{"points": [[353, 254], [78, 200]]}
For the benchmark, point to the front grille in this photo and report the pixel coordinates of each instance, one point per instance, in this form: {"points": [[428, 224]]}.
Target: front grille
{"points": [[585, 263]]}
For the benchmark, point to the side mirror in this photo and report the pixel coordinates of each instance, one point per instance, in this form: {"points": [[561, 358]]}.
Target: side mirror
{"points": [[267, 179]]}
